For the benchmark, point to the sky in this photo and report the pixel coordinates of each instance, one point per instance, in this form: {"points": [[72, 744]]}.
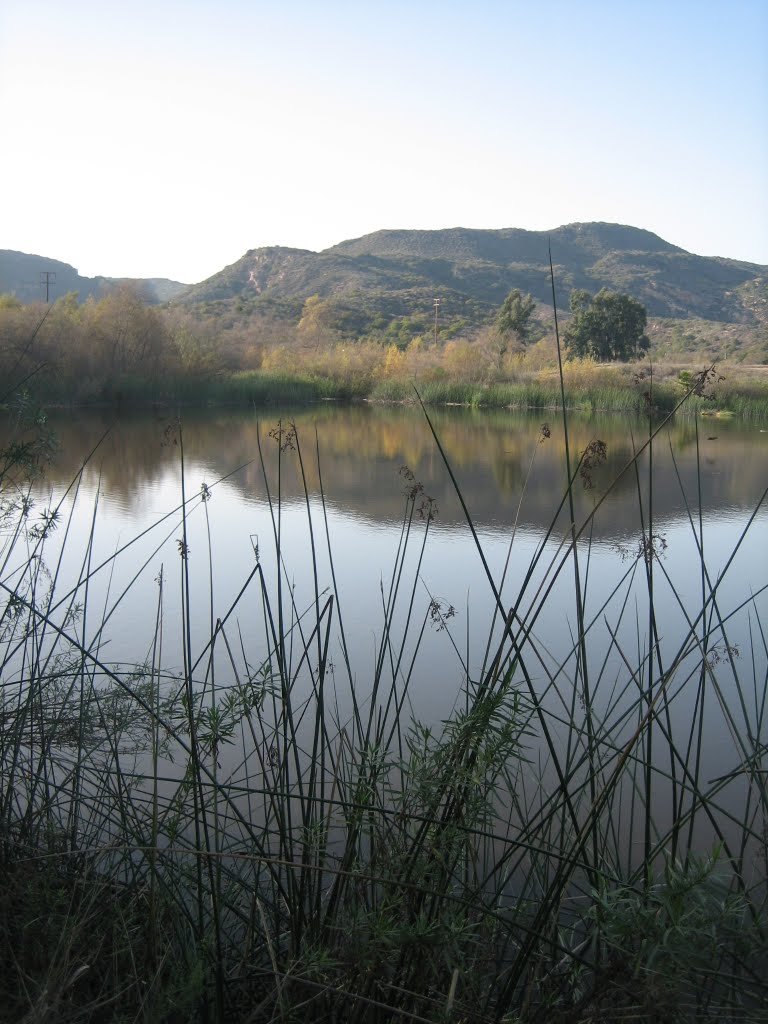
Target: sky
{"points": [[165, 139]]}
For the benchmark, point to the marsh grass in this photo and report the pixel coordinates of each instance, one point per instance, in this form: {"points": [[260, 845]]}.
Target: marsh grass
{"points": [[266, 833], [531, 394], [586, 391], [249, 388]]}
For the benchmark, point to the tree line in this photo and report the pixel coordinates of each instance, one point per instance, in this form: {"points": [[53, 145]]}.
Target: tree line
{"points": [[605, 327], [88, 347]]}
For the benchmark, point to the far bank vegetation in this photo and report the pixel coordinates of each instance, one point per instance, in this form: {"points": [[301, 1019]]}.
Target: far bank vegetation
{"points": [[118, 348]]}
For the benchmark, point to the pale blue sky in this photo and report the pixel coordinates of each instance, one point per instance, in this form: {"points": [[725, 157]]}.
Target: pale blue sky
{"points": [[167, 138]]}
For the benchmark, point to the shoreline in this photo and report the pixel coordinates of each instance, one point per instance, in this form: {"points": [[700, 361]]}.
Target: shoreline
{"points": [[257, 389]]}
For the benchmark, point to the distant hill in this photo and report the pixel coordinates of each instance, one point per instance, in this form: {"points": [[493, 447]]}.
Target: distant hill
{"points": [[21, 275], [398, 273], [385, 283]]}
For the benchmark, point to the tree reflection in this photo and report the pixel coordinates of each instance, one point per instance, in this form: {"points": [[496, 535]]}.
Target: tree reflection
{"points": [[362, 448]]}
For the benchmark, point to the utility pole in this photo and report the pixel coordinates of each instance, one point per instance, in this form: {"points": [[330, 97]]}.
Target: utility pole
{"points": [[46, 277], [436, 304]]}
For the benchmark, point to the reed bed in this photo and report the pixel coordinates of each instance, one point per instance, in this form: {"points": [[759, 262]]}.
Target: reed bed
{"points": [[249, 388], [262, 832], [542, 391], [522, 395]]}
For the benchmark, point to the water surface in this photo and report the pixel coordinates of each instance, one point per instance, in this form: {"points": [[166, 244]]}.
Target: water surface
{"points": [[700, 491]]}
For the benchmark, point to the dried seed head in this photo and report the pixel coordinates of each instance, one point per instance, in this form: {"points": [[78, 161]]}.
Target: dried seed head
{"points": [[594, 455]]}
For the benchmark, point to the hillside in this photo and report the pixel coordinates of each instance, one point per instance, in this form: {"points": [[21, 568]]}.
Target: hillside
{"points": [[384, 284], [390, 274], [21, 275]]}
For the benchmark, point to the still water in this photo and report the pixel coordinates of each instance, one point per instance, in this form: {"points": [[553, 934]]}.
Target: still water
{"points": [[700, 492]]}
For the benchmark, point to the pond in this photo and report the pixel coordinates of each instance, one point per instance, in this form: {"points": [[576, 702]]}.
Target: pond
{"points": [[362, 504]]}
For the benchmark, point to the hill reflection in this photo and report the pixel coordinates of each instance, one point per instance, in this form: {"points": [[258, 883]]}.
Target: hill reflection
{"points": [[499, 459]]}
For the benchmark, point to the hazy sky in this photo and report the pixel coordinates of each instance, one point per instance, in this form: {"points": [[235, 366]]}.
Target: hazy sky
{"points": [[166, 138]]}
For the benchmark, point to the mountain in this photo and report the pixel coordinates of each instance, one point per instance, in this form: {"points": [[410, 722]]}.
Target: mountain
{"points": [[388, 274], [386, 282], [23, 275]]}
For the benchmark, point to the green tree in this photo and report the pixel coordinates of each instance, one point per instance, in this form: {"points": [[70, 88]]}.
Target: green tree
{"points": [[514, 318], [609, 326]]}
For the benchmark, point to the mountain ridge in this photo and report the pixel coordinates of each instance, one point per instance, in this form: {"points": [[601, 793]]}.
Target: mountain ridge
{"points": [[20, 276], [594, 232], [392, 276], [394, 272]]}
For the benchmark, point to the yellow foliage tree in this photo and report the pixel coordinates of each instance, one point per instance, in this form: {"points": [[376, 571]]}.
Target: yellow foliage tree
{"points": [[465, 361], [395, 362]]}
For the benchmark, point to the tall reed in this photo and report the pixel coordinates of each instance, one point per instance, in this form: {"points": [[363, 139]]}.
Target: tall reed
{"points": [[267, 834]]}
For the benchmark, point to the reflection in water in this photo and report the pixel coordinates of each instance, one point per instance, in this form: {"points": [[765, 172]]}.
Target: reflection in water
{"points": [[495, 455], [510, 478]]}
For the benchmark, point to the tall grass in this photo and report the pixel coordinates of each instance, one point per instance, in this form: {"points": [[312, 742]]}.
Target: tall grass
{"points": [[542, 391], [248, 388], [266, 833]]}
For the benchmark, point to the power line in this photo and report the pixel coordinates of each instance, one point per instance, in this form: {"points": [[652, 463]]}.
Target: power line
{"points": [[46, 277]]}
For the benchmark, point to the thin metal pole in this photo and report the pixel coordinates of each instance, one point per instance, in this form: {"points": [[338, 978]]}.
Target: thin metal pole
{"points": [[47, 276]]}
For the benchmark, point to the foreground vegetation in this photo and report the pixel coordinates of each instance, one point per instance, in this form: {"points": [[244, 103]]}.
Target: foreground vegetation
{"points": [[258, 830]]}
